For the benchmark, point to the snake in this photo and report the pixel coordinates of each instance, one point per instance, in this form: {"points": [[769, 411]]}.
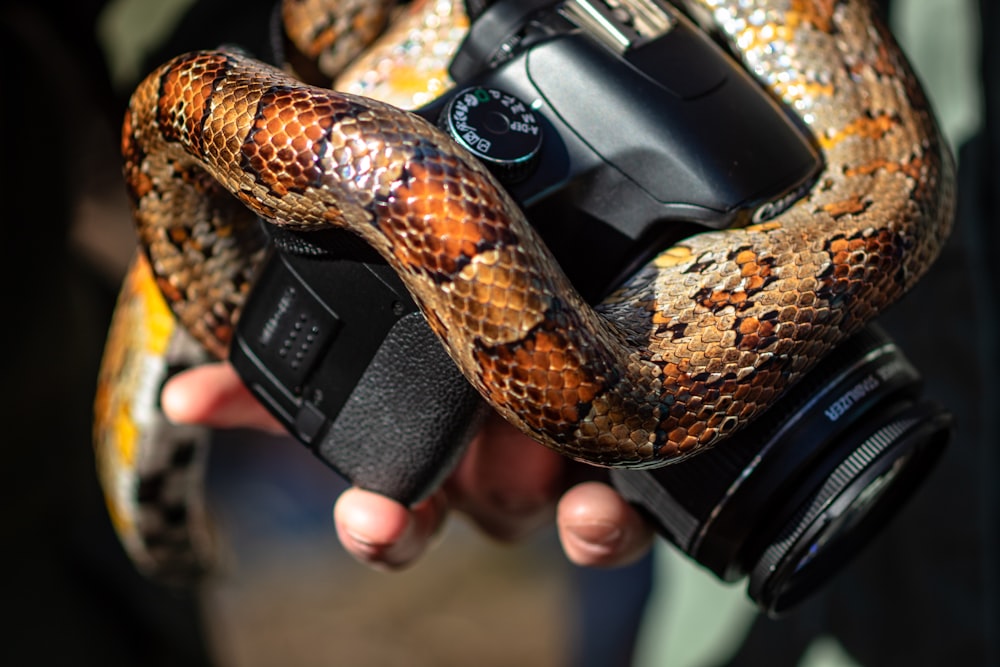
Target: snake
{"points": [[695, 345]]}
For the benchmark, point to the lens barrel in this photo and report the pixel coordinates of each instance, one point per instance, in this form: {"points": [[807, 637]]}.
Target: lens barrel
{"points": [[790, 499]]}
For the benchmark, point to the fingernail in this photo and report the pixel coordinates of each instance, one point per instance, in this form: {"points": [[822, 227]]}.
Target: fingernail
{"points": [[382, 555], [596, 535], [365, 541], [374, 554]]}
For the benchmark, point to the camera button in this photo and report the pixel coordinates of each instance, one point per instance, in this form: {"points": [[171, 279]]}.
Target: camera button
{"points": [[309, 422]]}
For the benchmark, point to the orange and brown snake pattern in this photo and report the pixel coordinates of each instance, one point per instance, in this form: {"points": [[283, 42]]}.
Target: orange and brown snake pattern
{"points": [[694, 346]]}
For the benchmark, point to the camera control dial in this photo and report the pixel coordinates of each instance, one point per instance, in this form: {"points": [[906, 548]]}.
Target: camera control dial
{"points": [[498, 128]]}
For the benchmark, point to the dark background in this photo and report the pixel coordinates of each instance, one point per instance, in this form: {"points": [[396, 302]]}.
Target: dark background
{"points": [[926, 593]]}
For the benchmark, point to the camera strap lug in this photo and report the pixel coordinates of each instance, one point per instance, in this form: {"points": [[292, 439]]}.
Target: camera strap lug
{"points": [[620, 24]]}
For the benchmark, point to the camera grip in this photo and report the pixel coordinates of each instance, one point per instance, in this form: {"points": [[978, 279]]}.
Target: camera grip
{"points": [[330, 342], [408, 419]]}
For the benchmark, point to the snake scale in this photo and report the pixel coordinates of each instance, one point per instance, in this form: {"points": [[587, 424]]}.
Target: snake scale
{"points": [[695, 345]]}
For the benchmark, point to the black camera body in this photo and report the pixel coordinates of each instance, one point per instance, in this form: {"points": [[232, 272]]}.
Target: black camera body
{"points": [[610, 153], [618, 128]]}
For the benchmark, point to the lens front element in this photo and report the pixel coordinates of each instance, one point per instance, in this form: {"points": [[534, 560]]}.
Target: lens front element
{"points": [[793, 497]]}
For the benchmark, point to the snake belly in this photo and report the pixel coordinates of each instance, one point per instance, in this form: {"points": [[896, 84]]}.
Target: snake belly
{"points": [[693, 347]]}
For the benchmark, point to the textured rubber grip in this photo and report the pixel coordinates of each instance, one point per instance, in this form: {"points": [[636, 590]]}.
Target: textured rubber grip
{"points": [[408, 419], [333, 345]]}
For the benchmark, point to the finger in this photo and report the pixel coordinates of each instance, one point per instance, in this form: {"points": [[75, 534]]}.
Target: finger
{"points": [[599, 528], [213, 395], [382, 533], [507, 483]]}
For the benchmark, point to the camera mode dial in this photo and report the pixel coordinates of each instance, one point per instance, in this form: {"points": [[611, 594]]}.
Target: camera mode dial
{"points": [[500, 129]]}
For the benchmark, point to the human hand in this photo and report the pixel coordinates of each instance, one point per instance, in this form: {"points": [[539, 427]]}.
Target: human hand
{"points": [[506, 484]]}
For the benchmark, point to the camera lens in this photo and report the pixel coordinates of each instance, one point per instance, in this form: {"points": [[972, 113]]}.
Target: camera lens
{"points": [[789, 500]]}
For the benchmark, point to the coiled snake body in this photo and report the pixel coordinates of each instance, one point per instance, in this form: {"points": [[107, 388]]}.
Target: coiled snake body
{"points": [[695, 345]]}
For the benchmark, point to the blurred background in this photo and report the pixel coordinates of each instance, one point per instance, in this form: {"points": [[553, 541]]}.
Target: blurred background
{"points": [[925, 593]]}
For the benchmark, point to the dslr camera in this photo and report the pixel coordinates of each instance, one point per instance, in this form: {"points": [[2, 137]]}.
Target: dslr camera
{"points": [[619, 128]]}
